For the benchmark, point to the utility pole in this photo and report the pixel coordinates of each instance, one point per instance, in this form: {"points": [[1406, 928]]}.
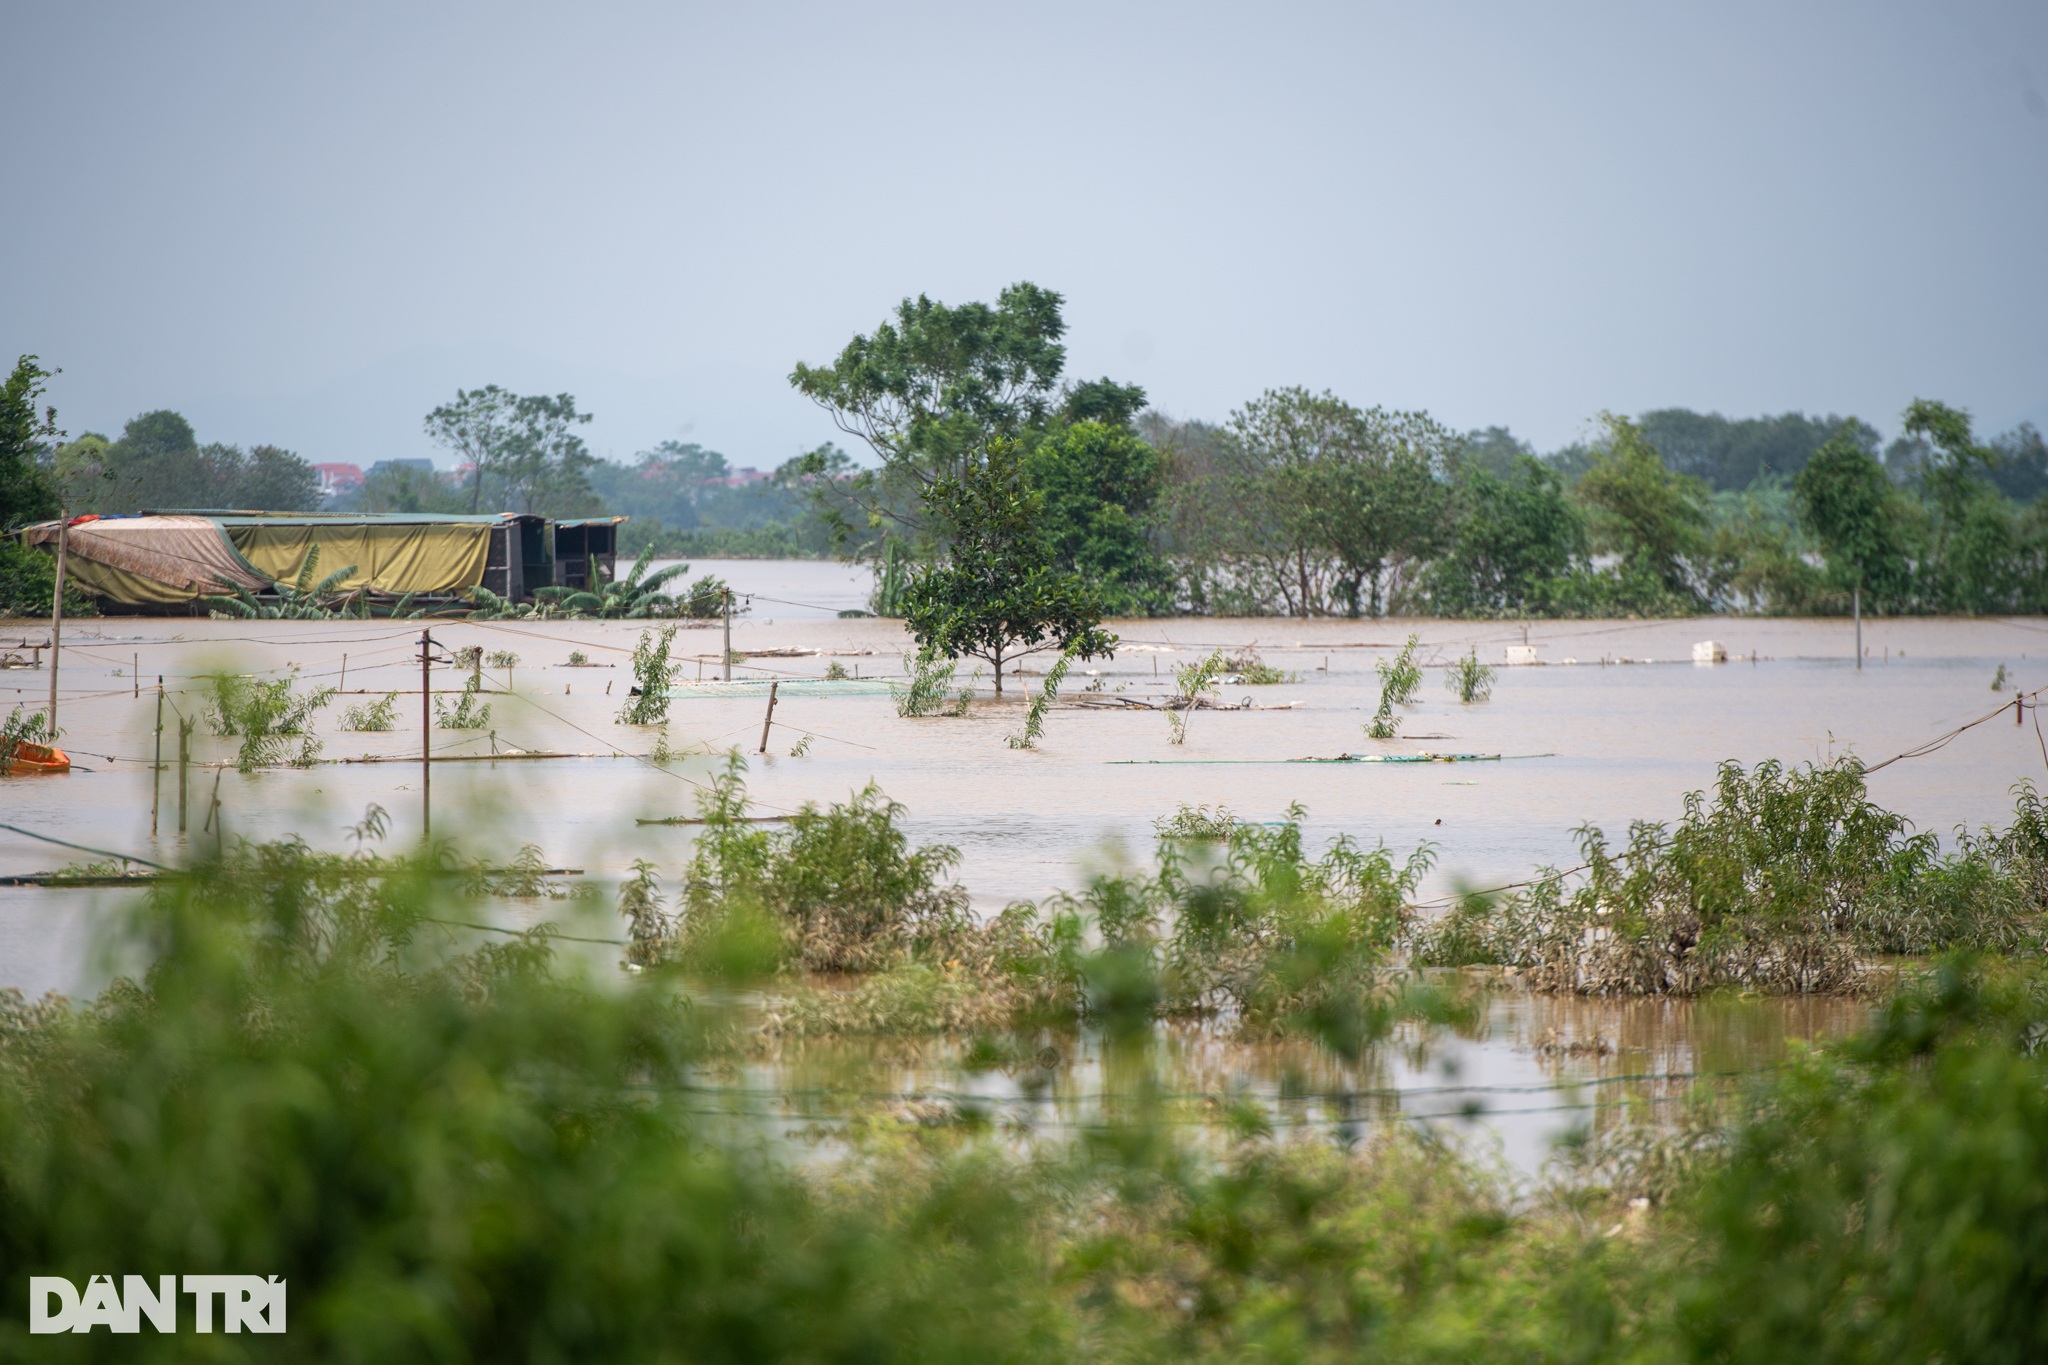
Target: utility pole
{"points": [[57, 620], [727, 591], [426, 737]]}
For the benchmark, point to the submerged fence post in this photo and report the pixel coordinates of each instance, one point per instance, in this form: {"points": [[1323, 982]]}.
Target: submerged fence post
{"points": [[426, 737], [1856, 598], [768, 719], [57, 619], [343, 687], [727, 656], [156, 769], [184, 768]]}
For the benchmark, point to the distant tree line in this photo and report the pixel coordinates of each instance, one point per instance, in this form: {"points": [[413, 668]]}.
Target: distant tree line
{"points": [[1299, 503], [1304, 505]]}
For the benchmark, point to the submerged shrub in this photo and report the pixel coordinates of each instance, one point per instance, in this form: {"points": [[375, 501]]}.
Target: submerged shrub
{"points": [[840, 888], [270, 718], [931, 680], [1789, 879], [371, 717], [654, 673], [1470, 680]]}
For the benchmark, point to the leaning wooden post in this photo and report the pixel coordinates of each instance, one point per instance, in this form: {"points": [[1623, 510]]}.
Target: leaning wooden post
{"points": [[156, 769], [768, 719], [57, 620], [426, 736], [184, 769]]}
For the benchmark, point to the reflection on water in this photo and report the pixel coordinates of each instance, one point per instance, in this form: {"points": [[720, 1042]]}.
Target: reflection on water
{"points": [[1526, 1071], [1589, 740]]}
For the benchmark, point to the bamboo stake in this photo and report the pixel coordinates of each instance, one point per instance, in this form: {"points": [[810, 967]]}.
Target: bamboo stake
{"points": [[57, 621], [184, 768], [156, 769], [768, 719], [426, 736]]}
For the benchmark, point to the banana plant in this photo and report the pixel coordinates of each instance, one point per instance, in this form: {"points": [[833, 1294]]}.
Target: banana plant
{"points": [[300, 600]]}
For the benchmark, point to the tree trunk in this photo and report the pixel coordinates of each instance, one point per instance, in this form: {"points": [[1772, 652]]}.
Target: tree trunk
{"points": [[998, 661]]}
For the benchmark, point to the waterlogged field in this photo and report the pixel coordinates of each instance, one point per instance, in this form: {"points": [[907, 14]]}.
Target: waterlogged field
{"points": [[1613, 724]]}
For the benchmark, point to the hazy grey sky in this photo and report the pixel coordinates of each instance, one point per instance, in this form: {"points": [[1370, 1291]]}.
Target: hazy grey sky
{"points": [[307, 227]]}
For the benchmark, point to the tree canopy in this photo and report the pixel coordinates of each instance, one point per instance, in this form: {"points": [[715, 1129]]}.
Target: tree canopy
{"points": [[27, 492], [998, 594], [523, 452]]}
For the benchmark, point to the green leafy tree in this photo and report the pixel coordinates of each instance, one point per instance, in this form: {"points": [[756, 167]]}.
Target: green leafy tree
{"points": [[27, 491], [1969, 562], [1332, 504], [523, 451], [1098, 483], [1654, 519], [1849, 507], [158, 463], [998, 595], [1513, 537], [929, 391], [1730, 454]]}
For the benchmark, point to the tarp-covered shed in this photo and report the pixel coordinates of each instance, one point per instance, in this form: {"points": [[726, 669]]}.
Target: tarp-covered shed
{"points": [[392, 555], [151, 561]]}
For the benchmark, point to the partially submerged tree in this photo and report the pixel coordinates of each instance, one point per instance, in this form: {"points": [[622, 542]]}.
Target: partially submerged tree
{"points": [[998, 595], [1847, 504], [1654, 519]]}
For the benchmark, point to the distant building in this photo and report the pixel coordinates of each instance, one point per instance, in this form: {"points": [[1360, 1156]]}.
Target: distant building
{"points": [[336, 479]]}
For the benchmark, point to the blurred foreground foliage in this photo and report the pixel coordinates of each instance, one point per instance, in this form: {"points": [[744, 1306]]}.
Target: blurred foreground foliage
{"points": [[455, 1152]]}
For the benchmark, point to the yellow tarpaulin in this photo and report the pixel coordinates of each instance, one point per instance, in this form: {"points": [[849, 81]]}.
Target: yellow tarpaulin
{"points": [[392, 559]]}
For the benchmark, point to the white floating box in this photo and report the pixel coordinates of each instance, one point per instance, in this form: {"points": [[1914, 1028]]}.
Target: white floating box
{"points": [[1522, 654], [1710, 652]]}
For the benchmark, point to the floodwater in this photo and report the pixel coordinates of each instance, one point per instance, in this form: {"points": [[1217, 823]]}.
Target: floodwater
{"points": [[1615, 724]]}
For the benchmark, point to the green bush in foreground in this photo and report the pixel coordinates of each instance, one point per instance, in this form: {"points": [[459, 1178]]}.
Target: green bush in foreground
{"points": [[475, 1155]]}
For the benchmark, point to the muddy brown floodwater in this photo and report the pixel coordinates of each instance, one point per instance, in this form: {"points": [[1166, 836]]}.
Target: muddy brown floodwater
{"points": [[1615, 723]]}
